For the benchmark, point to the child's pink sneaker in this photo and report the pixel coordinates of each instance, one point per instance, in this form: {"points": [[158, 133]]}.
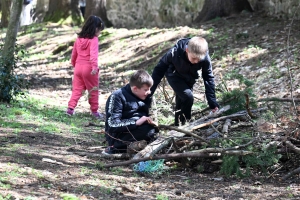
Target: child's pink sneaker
{"points": [[70, 111], [98, 115]]}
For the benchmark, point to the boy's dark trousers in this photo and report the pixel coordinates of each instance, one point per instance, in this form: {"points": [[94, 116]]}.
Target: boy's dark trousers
{"points": [[120, 141], [184, 99]]}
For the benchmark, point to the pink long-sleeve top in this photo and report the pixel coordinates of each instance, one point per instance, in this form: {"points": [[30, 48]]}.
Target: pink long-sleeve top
{"points": [[85, 51]]}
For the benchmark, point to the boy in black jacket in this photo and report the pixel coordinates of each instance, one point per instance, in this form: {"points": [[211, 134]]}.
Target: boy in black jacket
{"points": [[180, 65], [127, 114]]}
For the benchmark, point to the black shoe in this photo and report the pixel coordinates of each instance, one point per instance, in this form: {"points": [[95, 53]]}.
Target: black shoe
{"points": [[109, 150]]}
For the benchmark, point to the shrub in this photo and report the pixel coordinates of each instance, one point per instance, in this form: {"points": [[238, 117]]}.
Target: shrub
{"points": [[12, 84]]}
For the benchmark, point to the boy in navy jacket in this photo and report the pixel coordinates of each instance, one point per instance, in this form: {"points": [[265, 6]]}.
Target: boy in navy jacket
{"points": [[180, 65], [127, 114]]}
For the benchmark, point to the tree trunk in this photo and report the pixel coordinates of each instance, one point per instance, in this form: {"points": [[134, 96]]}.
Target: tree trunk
{"points": [[12, 30], [97, 7], [5, 10], [41, 8], [76, 13], [58, 10], [220, 8]]}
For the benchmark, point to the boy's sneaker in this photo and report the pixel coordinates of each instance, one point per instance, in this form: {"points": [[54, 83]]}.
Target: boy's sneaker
{"points": [[98, 115], [109, 150], [70, 112]]}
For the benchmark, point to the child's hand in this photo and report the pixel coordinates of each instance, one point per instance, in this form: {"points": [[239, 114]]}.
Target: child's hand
{"points": [[143, 120], [151, 122], [94, 71]]}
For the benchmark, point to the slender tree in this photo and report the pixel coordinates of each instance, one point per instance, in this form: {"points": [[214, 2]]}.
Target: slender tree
{"points": [[5, 10], [10, 83], [12, 30]]}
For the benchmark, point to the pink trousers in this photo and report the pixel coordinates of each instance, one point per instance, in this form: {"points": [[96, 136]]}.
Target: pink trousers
{"points": [[83, 80]]}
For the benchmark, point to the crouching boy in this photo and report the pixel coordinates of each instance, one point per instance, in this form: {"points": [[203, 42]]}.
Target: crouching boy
{"points": [[127, 114]]}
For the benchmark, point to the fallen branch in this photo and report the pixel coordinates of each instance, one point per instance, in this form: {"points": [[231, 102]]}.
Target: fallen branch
{"points": [[195, 125], [183, 131], [226, 125], [278, 99], [296, 171], [215, 152], [216, 120], [293, 147], [153, 148], [209, 116]]}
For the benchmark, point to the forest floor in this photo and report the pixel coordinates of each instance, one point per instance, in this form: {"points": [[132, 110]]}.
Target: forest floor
{"points": [[56, 163]]}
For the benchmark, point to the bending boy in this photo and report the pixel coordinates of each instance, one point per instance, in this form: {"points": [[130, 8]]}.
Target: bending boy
{"points": [[180, 65], [127, 114]]}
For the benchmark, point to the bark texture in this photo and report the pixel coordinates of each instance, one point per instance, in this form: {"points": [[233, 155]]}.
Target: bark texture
{"points": [[221, 8], [98, 8]]}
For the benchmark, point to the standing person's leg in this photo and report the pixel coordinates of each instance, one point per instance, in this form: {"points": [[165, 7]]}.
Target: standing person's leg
{"points": [[178, 113], [184, 93], [78, 87], [92, 85]]}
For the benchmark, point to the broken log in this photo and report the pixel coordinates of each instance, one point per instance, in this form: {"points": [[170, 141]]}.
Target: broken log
{"points": [[293, 147], [158, 144], [226, 125], [216, 120], [295, 171], [183, 131]]}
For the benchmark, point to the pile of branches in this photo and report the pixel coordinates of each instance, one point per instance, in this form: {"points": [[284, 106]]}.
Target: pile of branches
{"points": [[178, 143]]}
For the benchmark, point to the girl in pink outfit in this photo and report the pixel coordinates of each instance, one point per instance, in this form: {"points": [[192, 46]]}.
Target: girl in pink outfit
{"points": [[85, 62]]}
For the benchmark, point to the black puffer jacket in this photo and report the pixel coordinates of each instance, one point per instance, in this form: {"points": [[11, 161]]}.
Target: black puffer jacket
{"points": [[176, 62], [123, 109]]}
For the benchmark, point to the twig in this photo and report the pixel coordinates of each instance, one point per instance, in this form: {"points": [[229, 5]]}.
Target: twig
{"points": [[288, 58], [248, 106], [274, 172], [217, 130]]}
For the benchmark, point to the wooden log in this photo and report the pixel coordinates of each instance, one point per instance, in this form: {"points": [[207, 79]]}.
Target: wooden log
{"points": [[158, 144], [216, 120], [183, 131], [226, 125], [190, 126], [293, 147], [295, 171]]}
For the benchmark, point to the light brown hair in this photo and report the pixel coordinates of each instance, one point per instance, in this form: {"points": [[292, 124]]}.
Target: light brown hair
{"points": [[198, 46], [139, 78]]}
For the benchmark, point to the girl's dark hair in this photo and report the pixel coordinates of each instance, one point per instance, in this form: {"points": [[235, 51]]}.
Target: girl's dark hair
{"points": [[90, 27]]}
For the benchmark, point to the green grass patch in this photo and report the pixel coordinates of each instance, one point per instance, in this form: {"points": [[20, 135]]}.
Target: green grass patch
{"points": [[40, 115]]}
